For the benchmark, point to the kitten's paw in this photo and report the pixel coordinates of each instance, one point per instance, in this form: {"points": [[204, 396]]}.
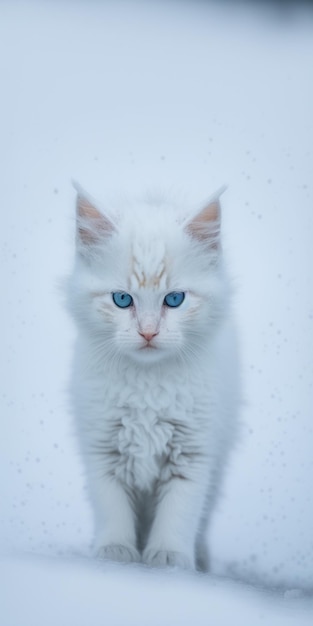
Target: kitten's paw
{"points": [[167, 558], [118, 552]]}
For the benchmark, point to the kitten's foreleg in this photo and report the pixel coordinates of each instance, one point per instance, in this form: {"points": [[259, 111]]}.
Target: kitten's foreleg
{"points": [[173, 533], [115, 536]]}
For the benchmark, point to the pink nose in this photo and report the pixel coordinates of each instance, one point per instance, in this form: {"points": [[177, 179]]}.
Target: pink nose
{"points": [[148, 335]]}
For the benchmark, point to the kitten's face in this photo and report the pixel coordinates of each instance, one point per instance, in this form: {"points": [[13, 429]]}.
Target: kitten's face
{"points": [[148, 291]]}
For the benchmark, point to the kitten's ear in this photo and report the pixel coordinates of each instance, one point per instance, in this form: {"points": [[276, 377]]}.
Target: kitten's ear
{"points": [[205, 226], [92, 226]]}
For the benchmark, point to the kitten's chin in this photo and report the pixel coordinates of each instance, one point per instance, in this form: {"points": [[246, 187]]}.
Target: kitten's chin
{"points": [[148, 354]]}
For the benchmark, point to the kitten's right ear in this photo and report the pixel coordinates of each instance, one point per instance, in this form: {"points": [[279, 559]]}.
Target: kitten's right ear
{"points": [[92, 227]]}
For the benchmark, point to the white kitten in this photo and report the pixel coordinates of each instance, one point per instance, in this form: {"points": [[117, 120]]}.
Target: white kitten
{"points": [[155, 387]]}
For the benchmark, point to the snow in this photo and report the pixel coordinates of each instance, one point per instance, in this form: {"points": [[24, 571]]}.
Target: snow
{"points": [[129, 96], [81, 593]]}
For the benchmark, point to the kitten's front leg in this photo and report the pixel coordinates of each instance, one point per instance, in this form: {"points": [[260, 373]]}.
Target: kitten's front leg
{"points": [[172, 537], [115, 521]]}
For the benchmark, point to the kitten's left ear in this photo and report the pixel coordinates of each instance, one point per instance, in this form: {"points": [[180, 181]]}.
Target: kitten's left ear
{"points": [[206, 225]]}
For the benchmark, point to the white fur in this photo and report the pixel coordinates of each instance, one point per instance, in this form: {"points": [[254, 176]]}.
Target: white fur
{"points": [[155, 424]]}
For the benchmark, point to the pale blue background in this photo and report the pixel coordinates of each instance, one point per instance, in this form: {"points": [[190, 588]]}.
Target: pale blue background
{"points": [[130, 96]]}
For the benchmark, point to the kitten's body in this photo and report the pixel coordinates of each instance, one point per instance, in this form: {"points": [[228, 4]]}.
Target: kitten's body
{"points": [[154, 388]]}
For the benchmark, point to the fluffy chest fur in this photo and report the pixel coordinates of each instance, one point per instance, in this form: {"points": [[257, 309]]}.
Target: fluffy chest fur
{"points": [[143, 422], [150, 438]]}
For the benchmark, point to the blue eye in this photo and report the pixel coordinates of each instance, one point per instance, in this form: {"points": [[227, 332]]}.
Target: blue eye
{"points": [[175, 298], [122, 299]]}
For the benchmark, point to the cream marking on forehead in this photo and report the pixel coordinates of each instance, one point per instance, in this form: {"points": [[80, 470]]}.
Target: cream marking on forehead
{"points": [[149, 273], [143, 277], [148, 264]]}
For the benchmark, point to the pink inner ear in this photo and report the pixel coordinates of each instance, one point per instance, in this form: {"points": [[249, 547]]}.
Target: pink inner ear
{"points": [[205, 226], [91, 224], [86, 209]]}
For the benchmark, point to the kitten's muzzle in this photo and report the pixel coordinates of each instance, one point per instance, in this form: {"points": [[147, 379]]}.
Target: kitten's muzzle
{"points": [[148, 335]]}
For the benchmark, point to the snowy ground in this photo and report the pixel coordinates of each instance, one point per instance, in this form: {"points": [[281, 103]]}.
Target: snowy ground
{"points": [[129, 96], [77, 593]]}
